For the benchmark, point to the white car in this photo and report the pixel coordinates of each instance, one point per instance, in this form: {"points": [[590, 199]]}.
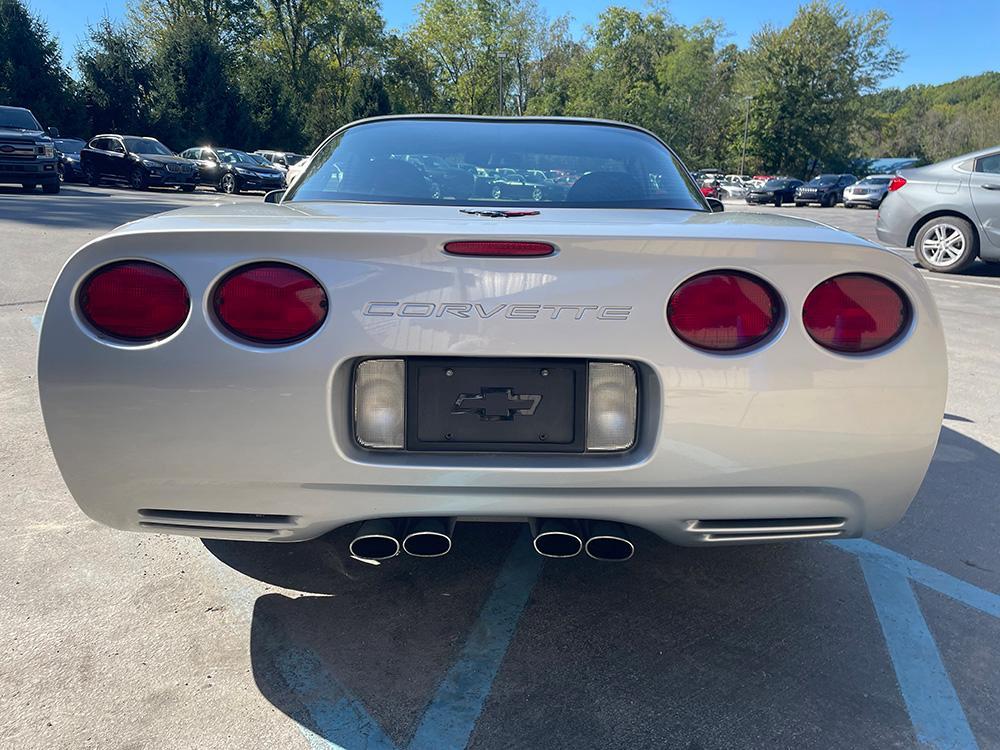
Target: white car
{"points": [[364, 352], [295, 171], [283, 160]]}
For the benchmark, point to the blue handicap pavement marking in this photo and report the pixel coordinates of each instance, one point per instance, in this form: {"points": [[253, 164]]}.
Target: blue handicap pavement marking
{"points": [[36, 322], [931, 701], [932, 578], [333, 711], [449, 720], [928, 693], [452, 714]]}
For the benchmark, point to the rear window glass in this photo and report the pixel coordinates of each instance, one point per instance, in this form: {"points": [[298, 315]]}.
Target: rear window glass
{"points": [[989, 164], [149, 146], [512, 163]]}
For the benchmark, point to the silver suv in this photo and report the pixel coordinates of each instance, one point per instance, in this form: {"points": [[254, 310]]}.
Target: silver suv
{"points": [[948, 212], [867, 192]]}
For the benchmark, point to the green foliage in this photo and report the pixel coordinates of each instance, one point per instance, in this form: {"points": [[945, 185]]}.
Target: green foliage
{"points": [[468, 45], [933, 122], [115, 79], [31, 74], [807, 81], [195, 101]]}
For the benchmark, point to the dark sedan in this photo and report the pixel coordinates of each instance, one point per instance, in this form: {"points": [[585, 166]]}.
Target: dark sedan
{"points": [[230, 170], [68, 150], [776, 190], [141, 162], [530, 184]]}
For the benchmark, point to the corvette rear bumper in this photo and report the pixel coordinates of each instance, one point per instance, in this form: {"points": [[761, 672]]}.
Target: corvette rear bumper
{"points": [[203, 435]]}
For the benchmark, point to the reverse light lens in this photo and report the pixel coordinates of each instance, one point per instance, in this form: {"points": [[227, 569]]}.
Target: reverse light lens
{"points": [[379, 403], [270, 303], [499, 249], [724, 311], [134, 301], [855, 313], [896, 183], [611, 406]]}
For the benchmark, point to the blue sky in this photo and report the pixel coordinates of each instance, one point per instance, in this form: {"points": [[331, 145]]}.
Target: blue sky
{"points": [[943, 40]]}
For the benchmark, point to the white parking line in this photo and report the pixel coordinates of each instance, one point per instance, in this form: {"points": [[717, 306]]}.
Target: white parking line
{"points": [[963, 282], [907, 255]]}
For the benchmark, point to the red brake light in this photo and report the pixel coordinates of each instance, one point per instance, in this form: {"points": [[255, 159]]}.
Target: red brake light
{"points": [[134, 300], [855, 313], [897, 183], [724, 311], [499, 249], [270, 303]]}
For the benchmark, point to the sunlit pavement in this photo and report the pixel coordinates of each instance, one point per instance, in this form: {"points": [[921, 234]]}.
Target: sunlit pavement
{"points": [[117, 640]]}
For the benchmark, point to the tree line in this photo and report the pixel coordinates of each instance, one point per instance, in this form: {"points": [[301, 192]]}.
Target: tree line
{"points": [[286, 73]]}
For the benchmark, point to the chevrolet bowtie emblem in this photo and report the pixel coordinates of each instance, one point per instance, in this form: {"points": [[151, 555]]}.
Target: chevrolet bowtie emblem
{"points": [[495, 404]]}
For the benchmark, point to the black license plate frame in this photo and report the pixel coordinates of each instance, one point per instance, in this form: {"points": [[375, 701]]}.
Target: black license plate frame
{"points": [[496, 396]]}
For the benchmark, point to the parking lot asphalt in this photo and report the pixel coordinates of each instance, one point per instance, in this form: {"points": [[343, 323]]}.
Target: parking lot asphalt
{"points": [[116, 640]]}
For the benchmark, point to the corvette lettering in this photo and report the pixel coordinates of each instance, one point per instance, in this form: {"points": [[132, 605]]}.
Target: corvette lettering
{"points": [[485, 312]]}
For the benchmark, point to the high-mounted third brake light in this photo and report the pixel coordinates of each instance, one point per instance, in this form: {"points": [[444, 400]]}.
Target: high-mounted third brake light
{"points": [[855, 313], [489, 249], [724, 311], [270, 303], [897, 183], [134, 300]]}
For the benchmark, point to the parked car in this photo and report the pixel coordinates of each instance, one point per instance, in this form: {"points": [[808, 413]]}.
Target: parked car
{"points": [[295, 171], [27, 152], [140, 161], [948, 212], [68, 150], [281, 159], [529, 183], [867, 192], [451, 180], [826, 189], [359, 351], [776, 190], [230, 170], [733, 187]]}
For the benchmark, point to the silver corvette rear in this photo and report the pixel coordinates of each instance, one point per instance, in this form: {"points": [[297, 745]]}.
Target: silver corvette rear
{"points": [[273, 372]]}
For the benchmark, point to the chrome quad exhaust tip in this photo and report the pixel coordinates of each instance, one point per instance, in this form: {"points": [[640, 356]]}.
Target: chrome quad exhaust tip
{"points": [[608, 541], [375, 540], [556, 538], [428, 537]]}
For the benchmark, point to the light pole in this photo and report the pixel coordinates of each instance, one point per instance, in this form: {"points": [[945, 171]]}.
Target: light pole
{"points": [[746, 132], [501, 56]]}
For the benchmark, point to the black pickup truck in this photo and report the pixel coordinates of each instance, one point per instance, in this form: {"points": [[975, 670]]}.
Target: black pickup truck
{"points": [[27, 152]]}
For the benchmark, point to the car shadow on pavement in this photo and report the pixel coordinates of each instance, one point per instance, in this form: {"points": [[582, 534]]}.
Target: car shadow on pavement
{"points": [[762, 646], [66, 210]]}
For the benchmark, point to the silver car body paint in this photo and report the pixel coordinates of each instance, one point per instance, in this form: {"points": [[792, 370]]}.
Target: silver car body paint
{"points": [[949, 187], [168, 436], [863, 193]]}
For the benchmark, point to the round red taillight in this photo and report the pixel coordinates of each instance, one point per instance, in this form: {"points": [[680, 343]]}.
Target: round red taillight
{"points": [[855, 313], [724, 311], [134, 300], [270, 303]]}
